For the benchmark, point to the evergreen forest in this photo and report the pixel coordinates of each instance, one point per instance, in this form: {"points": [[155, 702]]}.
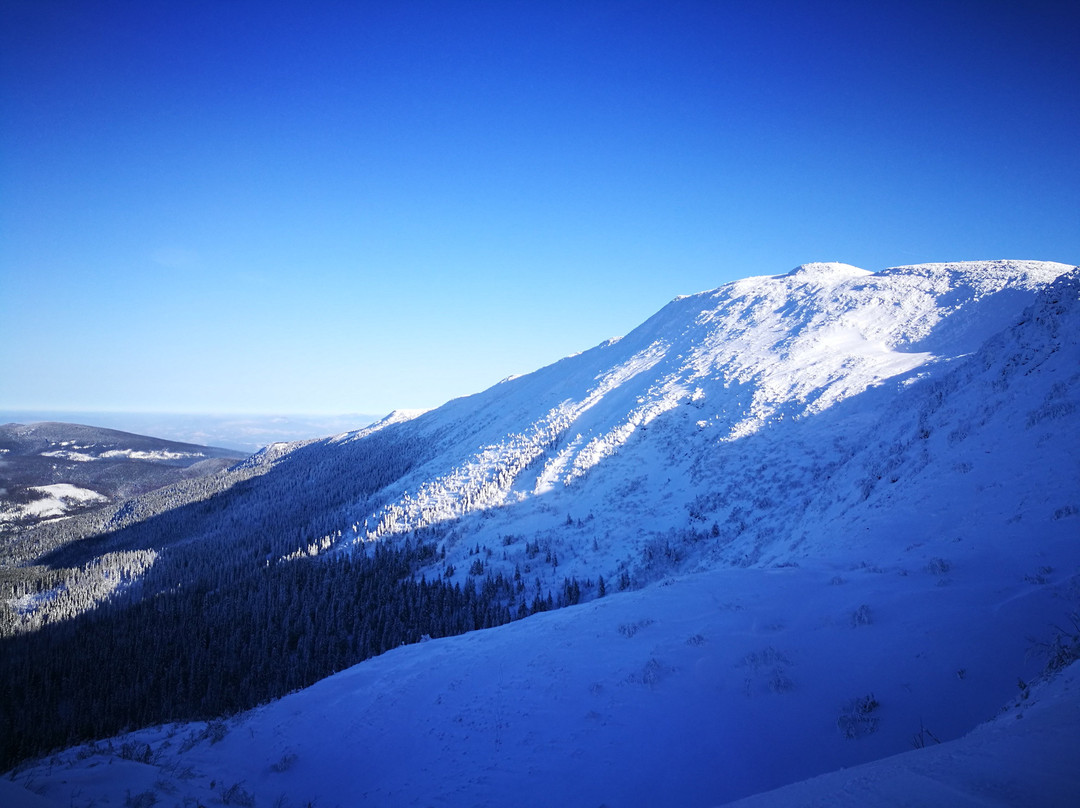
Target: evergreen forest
{"points": [[217, 612]]}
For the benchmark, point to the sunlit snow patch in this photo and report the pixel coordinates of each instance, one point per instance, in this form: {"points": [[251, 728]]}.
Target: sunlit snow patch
{"points": [[157, 454], [57, 500], [65, 454]]}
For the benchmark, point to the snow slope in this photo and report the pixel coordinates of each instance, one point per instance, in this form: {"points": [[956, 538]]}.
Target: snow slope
{"points": [[689, 692], [850, 504], [1025, 756], [54, 502], [717, 410]]}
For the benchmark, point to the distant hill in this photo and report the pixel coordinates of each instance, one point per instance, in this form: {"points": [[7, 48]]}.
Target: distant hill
{"points": [[245, 433], [52, 470]]}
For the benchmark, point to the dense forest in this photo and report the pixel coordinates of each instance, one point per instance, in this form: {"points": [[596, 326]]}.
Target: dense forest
{"points": [[198, 605], [200, 652]]}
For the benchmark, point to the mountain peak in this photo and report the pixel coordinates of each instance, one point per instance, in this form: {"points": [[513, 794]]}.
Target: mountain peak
{"points": [[827, 272]]}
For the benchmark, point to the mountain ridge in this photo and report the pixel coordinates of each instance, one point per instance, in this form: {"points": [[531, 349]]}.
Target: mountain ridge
{"points": [[827, 359]]}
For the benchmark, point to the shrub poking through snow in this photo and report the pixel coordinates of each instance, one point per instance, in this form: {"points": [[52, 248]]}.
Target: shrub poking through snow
{"points": [[768, 668], [938, 566], [285, 763], [145, 799], [920, 738], [630, 629], [1063, 649], [138, 751], [236, 794], [862, 616], [857, 718]]}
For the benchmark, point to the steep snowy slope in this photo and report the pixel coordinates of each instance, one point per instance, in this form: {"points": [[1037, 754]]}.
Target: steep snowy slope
{"points": [[851, 502], [729, 409]]}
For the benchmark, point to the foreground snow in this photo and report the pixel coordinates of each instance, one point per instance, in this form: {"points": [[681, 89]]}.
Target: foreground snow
{"points": [[694, 691], [1026, 756]]}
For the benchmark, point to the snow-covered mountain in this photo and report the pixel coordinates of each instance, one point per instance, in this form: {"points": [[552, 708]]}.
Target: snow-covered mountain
{"points": [[767, 407], [836, 513]]}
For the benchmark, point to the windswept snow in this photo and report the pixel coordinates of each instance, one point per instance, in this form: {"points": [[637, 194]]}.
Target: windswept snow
{"points": [[715, 368], [827, 273], [396, 417]]}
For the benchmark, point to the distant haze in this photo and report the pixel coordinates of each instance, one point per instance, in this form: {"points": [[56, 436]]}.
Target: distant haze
{"points": [[247, 433]]}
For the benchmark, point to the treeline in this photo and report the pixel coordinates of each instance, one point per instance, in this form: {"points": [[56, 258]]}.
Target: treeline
{"points": [[218, 623], [200, 652]]}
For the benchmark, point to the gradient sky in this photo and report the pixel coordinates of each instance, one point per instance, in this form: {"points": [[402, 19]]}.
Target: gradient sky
{"points": [[328, 207]]}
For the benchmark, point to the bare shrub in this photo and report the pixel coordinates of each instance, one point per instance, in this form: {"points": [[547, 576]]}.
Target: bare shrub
{"points": [[938, 566], [630, 629], [145, 799], [862, 616], [857, 717], [236, 794], [285, 763]]}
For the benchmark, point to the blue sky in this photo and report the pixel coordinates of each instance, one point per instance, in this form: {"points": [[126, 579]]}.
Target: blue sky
{"points": [[325, 207]]}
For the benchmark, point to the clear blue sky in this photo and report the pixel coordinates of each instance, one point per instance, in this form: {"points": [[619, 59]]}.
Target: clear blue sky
{"points": [[319, 207]]}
